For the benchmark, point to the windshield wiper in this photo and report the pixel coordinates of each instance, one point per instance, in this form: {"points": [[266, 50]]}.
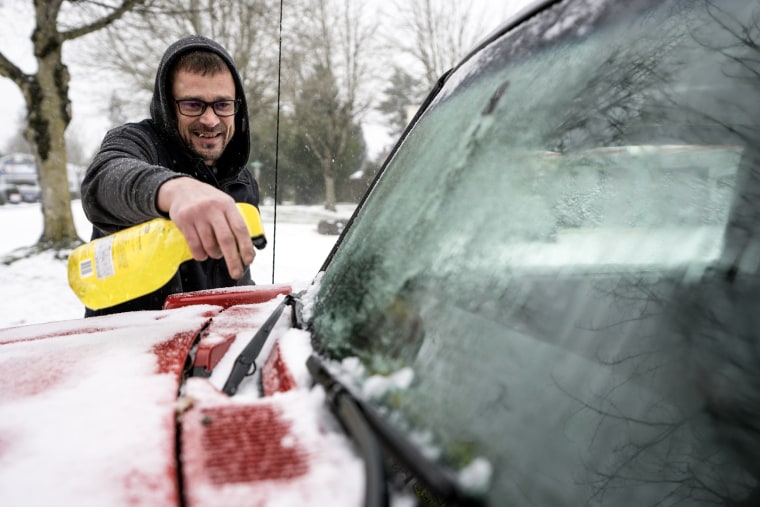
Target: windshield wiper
{"points": [[245, 363], [367, 428]]}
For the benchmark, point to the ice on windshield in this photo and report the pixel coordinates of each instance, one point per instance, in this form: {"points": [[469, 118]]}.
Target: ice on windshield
{"points": [[550, 230]]}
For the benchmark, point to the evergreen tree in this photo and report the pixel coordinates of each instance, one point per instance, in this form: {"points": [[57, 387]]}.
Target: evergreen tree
{"points": [[402, 92]]}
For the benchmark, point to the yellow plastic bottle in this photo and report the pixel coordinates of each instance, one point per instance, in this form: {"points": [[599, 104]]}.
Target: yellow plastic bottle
{"points": [[138, 260]]}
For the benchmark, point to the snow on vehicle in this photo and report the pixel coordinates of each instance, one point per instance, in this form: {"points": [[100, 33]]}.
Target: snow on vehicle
{"points": [[548, 296]]}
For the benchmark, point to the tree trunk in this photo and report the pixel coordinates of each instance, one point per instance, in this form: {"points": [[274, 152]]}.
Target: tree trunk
{"points": [[49, 113], [328, 175], [48, 106]]}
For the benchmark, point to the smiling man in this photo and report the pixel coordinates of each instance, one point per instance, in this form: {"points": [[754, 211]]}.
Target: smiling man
{"points": [[187, 162]]}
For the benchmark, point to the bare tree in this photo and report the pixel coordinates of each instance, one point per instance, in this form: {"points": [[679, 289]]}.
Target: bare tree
{"points": [[246, 28], [48, 105], [329, 60], [434, 34]]}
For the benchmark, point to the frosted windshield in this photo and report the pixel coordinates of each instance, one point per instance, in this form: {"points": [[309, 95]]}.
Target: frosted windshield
{"points": [[540, 253]]}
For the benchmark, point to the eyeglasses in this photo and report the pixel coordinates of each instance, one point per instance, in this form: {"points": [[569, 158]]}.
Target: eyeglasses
{"points": [[195, 107]]}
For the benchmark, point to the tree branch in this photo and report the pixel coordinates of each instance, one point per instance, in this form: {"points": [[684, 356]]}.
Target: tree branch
{"points": [[11, 71], [118, 12]]}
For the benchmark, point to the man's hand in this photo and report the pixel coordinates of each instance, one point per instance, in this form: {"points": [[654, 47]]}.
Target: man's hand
{"points": [[210, 221]]}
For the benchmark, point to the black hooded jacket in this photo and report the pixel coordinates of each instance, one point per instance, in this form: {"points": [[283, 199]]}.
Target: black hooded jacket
{"points": [[120, 188]]}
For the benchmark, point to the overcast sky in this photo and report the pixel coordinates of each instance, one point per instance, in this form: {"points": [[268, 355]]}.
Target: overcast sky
{"points": [[89, 109]]}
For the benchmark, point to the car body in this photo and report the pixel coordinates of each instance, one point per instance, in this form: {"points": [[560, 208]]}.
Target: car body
{"points": [[18, 179], [547, 297]]}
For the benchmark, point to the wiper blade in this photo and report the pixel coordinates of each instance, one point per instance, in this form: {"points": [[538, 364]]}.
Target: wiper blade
{"points": [[437, 480], [245, 363]]}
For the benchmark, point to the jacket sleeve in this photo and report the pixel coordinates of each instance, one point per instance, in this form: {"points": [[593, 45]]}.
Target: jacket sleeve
{"points": [[121, 184]]}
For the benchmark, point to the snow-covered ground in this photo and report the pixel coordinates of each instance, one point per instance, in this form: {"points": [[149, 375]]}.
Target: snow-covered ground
{"points": [[35, 289]]}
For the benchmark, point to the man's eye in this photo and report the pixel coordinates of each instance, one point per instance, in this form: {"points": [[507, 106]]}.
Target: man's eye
{"points": [[223, 107], [192, 105]]}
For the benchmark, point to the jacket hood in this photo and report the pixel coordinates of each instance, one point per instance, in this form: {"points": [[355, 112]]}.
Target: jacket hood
{"points": [[162, 109]]}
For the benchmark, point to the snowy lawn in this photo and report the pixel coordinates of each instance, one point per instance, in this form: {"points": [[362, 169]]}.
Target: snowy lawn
{"points": [[35, 289]]}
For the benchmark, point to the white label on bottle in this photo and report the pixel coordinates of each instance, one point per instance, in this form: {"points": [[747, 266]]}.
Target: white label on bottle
{"points": [[85, 268], [104, 258]]}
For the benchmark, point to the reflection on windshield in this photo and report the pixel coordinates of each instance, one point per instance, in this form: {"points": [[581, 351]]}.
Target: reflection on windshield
{"points": [[565, 252]]}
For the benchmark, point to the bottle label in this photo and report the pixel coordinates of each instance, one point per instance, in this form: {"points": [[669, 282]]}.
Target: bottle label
{"points": [[104, 258], [85, 268]]}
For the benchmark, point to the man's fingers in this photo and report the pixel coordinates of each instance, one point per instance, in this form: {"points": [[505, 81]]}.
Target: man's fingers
{"points": [[193, 239], [213, 226], [235, 243], [242, 237], [208, 240], [230, 252]]}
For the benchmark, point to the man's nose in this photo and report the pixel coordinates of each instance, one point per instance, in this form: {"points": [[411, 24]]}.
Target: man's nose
{"points": [[209, 117]]}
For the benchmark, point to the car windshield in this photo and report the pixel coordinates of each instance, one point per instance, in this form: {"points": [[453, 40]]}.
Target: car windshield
{"points": [[553, 278]]}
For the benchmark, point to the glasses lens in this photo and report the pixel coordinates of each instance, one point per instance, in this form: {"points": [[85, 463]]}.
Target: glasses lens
{"points": [[191, 107], [225, 107]]}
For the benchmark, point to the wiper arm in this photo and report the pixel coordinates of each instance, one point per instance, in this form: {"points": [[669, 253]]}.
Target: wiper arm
{"points": [[347, 410], [245, 363], [430, 474]]}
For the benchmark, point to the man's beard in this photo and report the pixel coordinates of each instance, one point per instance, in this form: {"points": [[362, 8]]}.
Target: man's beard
{"points": [[205, 149]]}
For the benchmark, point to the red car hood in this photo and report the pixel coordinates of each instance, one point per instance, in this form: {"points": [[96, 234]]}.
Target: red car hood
{"points": [[95, 412]]}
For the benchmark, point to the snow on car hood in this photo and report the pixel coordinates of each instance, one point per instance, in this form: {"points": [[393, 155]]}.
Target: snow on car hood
{"points": [[87, 408], [89, 411]]}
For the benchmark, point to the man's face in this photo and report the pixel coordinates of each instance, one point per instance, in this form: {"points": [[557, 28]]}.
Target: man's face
{"points": [[206, 135]]}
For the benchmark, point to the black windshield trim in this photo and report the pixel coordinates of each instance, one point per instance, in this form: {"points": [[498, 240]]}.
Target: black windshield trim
{"points": [[433, 476]]}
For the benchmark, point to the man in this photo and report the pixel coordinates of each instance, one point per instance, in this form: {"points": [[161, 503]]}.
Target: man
{"points": [[187, 162]]}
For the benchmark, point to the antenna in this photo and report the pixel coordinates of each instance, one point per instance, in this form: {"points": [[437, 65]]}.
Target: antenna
{"points": [[277, 142]]}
